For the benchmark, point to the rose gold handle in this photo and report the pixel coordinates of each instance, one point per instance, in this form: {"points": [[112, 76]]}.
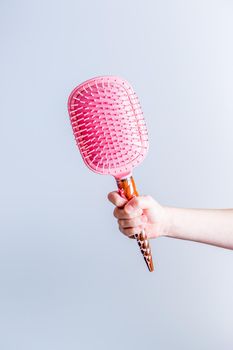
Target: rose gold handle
{"points": [[127, 189]]}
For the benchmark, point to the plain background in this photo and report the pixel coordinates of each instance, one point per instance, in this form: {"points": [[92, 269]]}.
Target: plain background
{"points": [[68, 278]]}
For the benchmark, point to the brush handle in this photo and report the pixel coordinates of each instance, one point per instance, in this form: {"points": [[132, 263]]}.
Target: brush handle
{"points": [[127, 189]]}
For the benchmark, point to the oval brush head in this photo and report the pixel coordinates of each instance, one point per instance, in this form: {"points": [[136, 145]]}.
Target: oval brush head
{"points": [[108, 125]]}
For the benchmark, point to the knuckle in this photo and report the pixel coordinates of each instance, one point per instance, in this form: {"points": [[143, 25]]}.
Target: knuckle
{"points": [[138, 213], [126, 215]]}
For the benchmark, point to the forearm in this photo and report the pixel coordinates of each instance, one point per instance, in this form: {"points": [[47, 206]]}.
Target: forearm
{"points": [[202, 225]]}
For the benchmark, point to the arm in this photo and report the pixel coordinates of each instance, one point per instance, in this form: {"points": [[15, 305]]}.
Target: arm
{"points": [[211, 226]]}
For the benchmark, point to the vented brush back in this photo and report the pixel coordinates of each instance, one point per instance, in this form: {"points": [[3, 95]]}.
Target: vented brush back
{"points": [[108, 125]]}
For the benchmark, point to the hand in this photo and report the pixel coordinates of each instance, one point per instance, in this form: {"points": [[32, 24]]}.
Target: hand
{"points": [[139, 213]]}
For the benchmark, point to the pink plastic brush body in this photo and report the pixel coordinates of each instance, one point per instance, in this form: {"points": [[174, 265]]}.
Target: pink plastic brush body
{"points": [[111, 133]]}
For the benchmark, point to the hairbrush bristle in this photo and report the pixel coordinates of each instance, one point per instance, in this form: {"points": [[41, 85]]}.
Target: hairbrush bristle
{"points": [[108, 125]]}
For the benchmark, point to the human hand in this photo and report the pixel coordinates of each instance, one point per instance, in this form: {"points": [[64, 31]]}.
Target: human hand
{"points": [[139, 213]]}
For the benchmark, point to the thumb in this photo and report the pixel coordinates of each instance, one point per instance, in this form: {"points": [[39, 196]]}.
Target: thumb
{"points": [[116, 199], [141, 202]]}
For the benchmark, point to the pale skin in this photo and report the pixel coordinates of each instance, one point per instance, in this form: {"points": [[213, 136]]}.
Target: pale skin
{"points": [[210, 226]]}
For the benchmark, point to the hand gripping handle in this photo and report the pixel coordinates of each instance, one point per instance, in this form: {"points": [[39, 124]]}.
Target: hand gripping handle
{"points": [[127, 189]]}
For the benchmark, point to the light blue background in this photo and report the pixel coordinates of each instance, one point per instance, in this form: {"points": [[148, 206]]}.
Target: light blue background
{"points": [[68, 278]]}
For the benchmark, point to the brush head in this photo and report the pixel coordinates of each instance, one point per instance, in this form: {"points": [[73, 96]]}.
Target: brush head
{"points": [[108, 125]]}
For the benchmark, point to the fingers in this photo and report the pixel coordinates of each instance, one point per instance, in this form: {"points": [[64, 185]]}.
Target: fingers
{"points": [[130, 227], [122, 214], [129, 223], [133, 208], [130, 215], [130, 232], [136, 203], [116, 199]]}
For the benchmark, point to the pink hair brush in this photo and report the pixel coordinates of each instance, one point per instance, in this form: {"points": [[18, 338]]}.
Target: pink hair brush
{"points": [[111, 135]]}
